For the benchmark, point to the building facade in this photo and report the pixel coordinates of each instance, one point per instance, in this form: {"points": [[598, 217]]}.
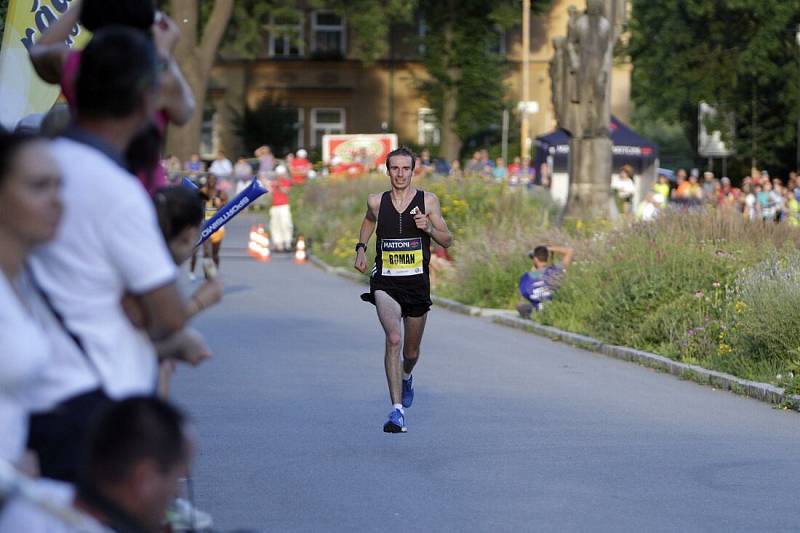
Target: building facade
{"points": [[306, 64]]}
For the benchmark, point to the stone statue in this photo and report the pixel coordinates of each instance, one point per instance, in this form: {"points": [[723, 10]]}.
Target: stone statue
{"points": [[580, 74], [590, 46]]}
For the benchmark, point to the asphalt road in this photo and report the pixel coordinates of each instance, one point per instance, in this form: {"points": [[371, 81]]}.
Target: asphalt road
{"points": [[508, 432]]}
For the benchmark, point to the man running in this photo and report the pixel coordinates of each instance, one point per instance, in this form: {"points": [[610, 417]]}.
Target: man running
{"points": [[407, 219], [214, 200]]}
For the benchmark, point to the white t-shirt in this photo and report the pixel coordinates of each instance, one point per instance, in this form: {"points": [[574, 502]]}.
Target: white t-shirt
{"points": [[221, 167], [24, 353], [109, 242], [21, 514]]}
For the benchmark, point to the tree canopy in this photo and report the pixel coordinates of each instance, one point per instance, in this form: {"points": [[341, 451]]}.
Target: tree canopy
{"points": [[737, 55]]}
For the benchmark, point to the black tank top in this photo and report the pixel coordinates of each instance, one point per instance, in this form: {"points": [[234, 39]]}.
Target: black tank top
{"points": [[402, 251]]}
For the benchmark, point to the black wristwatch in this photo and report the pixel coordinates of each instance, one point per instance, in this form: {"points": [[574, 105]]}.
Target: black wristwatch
{"points": [[361, 245]]}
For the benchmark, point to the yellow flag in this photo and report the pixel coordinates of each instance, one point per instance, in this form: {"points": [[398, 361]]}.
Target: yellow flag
{"points": [[21, 90]]}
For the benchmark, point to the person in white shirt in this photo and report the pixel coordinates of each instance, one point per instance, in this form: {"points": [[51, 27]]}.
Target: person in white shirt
{"points": [[109, 246], [31, 210], [221, 166]]}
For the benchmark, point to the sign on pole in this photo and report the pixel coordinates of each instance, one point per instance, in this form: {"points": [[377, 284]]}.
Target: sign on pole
{"points": [[21, 90], [710, 144]]}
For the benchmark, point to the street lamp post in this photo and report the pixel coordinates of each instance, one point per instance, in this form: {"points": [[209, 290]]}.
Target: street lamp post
{"points": [[526, 45], [797, 158]]}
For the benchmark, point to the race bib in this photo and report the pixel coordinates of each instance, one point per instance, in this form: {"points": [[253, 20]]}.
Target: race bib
{"points": [[401, 257]]}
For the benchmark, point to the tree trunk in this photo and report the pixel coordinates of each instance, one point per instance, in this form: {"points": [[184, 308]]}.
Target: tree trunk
{"points": [[196, 59], [451, 144]]}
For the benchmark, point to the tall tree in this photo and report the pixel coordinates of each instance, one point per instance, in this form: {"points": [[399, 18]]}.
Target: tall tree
{"points": [[738, 55], [466, 68], [195, 53]]}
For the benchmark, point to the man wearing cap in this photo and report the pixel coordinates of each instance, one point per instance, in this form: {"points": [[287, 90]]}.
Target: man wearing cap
{"points": [[538, 285], [280, 214], [299, 167]]}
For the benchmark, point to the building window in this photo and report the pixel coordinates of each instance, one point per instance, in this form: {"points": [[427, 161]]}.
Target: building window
{"points": [[209, 135], [328, 34], [286, 35], [422, 33], [300, 125], [324, 121], [428, 132], [497, 41]]}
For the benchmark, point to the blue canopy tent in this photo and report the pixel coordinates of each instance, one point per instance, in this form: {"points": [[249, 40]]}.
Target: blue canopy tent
{"points": [[629, 148]]}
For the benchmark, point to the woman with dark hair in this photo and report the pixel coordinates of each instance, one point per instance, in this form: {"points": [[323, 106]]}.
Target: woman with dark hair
{"points": [[30, 182], [56, 63]]}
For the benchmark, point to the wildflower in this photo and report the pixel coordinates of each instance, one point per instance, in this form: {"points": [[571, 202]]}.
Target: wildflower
{"points": [[716, 284], [699, 294]]}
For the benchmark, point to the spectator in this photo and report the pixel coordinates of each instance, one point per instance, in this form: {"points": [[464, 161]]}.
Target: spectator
{"points": [[221, 166], [750, 207], [544, 175], [539, 284], [194, 165], [728, 195], [647, 210], [299, 167], [474, 165], [56, 63], [500, 172], [280, 214], [662, 186], [172, 165], [791, 209], [766, 200], [266, 161], [139, 451], [625, 190], [424, 164], [515, 169], [29, 193], [709, 192], [102, 254], [455, 169], [243, 170]]}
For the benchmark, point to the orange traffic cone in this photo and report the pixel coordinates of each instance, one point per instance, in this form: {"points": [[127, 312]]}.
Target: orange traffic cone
{"points": [[252, 245], [262, 238], [300, 255]]}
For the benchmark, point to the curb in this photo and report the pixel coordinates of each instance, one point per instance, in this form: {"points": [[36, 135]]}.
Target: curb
{"points": [[752, 389]]}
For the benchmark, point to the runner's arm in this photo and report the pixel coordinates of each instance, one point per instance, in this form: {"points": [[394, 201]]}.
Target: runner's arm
{"points": [[436, 226], [364, 234], [50, 51]]}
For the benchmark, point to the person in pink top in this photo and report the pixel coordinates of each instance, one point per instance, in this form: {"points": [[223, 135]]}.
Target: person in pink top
{"points": [[55, 62]]}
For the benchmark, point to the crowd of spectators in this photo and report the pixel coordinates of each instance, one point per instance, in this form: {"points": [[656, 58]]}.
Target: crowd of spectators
{"points": [[91, 314], [759, 197]]}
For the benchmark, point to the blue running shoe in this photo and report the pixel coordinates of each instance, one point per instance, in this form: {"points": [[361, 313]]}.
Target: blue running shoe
{"points": [[396, 422], [408, 392]]}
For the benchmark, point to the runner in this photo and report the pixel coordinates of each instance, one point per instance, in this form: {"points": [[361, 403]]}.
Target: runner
{"points": [[406, 218], [214, 199]]}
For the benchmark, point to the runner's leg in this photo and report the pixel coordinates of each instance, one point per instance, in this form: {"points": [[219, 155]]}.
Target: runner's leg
{"points": [[215, 251], [414, 327], [389, 314]]}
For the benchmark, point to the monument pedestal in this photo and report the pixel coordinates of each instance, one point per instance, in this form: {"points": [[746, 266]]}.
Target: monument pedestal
{"points": [[589, 179]]}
